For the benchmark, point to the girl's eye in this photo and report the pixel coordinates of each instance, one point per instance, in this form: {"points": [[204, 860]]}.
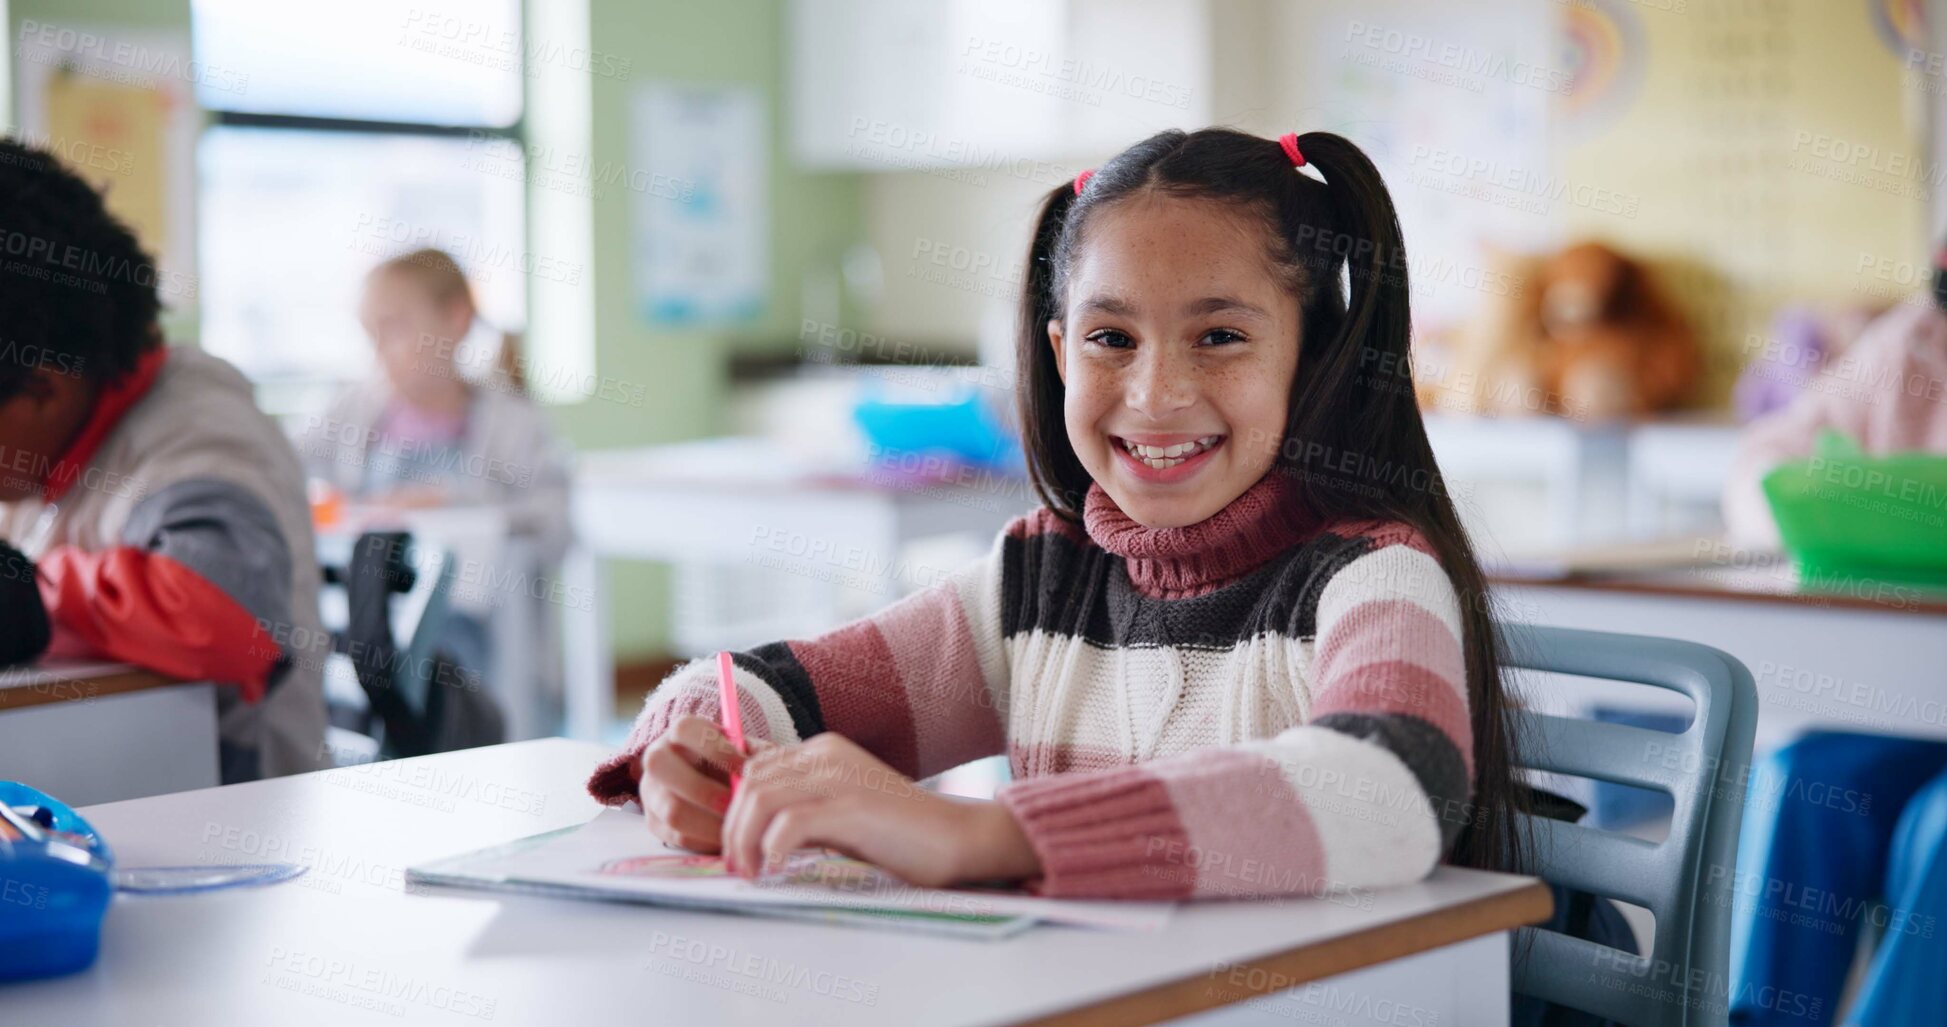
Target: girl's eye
{"points": [[1109, 337], [1222, 336]]}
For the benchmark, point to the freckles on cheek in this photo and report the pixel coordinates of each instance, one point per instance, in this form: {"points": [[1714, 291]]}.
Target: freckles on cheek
{"points": [[1260, 400], [1074, 419], [1080, 397]]}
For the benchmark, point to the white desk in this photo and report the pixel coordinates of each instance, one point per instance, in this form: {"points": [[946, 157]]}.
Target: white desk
{"points": [[1560, 481], [1677, 468], [741, 501], [347, 944], [88, 732], [1533, 483]]}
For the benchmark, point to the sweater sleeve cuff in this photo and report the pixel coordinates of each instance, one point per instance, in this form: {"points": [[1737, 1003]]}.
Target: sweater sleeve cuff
{"points": [[1106, 834], [617, 779], [614, 782]]}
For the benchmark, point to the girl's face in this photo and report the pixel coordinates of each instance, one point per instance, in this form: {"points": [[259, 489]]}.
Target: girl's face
{"points": [[414, 335], [1178, 340]]}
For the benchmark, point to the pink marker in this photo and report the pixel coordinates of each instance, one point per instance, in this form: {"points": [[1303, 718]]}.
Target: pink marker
{"points": [[729, 714]]}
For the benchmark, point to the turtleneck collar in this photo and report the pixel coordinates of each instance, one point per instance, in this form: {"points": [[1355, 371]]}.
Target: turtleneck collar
{"points": [[1173, 563]]}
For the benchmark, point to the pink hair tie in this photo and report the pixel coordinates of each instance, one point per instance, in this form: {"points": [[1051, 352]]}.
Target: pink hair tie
{"points": [[1082, 180], [1290, 143]]}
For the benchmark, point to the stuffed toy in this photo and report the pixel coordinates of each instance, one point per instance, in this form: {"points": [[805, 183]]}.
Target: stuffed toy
{"points": [[1581, 334], [1613, 345], [1584, 333]]}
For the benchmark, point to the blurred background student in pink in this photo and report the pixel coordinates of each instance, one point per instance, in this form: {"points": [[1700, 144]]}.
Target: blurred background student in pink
{"points": [[421, 434]]}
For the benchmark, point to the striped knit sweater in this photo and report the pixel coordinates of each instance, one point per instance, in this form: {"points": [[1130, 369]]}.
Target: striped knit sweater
{"points": [[1245, 706]]}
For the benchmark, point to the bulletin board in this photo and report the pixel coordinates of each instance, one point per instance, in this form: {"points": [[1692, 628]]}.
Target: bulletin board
{"points": [[112, 133], [1453, 104], [116, 106], [699, 172]]}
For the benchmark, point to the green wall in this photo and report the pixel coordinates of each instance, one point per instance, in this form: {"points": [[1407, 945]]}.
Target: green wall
{"points": [[813, 217], [146, 13]]}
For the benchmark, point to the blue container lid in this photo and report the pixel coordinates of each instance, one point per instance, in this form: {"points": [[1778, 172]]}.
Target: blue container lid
{"points": [[54, 888]]}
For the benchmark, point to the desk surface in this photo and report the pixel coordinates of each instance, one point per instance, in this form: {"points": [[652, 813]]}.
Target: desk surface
{"points": [[347, 943], [52, 681], [1762, 584], [1706, 568]]}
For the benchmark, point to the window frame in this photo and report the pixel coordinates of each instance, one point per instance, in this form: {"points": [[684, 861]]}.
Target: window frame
{"points": [[515, 132]]}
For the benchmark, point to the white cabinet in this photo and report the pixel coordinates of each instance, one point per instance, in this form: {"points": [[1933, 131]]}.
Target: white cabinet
{"points": [[890, 85], [1530, 485]]}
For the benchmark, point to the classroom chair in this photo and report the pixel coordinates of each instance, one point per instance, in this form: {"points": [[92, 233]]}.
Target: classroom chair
{"points": [[1685, 880], [418, 701]]}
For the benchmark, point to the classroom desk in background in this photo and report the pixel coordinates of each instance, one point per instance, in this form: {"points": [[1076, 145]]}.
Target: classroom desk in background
{"points": [[87, 732], [741, 502], [347, 943], [1850, 655]]}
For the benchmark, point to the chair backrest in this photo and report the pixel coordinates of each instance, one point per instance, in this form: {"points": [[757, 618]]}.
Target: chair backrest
{"points": [[399, 682], [1685, 880]]}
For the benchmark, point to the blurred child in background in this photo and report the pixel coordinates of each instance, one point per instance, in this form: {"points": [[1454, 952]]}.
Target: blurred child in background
{"points": [[149, 512], [1887, 392], [422, 435]]}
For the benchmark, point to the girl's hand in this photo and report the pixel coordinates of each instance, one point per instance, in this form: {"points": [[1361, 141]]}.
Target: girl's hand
{"points": [[829, 792], [684, 788]]}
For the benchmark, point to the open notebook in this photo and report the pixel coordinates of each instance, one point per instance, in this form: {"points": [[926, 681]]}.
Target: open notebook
{"points": [[614, 858]]}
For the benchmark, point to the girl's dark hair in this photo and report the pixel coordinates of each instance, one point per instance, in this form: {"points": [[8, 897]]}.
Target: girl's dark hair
{"points": [[1351, 404]]}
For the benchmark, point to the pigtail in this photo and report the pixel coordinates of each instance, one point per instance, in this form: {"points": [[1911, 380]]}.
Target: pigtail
{"points": [[1366, 236], [1375, 338], [1058, 475]]}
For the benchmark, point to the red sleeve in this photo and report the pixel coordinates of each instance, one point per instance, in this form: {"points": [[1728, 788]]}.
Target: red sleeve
{"points": [[135, 605]]}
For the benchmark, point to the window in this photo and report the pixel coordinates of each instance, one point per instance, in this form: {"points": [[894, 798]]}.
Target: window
{"points": [[447, 62], [349, 133], [291, 219]]}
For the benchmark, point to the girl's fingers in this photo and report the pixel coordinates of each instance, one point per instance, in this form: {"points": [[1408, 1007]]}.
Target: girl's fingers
{"points": [[704, 745], [733, 826], [683, 825], [750, 816], [665, 766], [802, 826], [683, 806]]}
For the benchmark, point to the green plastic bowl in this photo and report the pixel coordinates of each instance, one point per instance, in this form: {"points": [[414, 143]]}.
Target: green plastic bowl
{"points": [[1843, 513]]}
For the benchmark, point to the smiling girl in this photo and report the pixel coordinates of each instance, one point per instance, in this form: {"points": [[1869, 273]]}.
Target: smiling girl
{"points": [[1242, 647]]}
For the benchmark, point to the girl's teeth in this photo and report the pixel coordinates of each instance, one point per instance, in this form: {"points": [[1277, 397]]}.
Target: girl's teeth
{"points": [[1165, 457]]}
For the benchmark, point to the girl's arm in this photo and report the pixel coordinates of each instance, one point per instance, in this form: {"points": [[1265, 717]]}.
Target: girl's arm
{"points": [[1369, 792], [917, 685]]}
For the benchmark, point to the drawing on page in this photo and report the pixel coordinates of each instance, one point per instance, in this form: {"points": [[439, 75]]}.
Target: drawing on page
{"points": [[819, 867]]}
